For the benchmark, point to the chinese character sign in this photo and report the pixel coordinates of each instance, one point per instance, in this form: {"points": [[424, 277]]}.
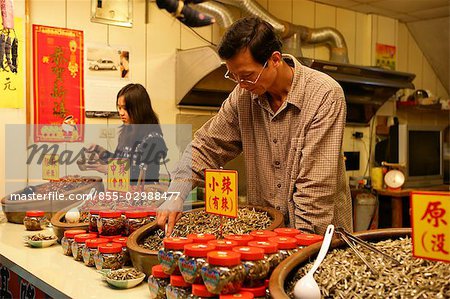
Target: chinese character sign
{"points": [[119, 175], [58, 84], [12, 70], [221, 192], [50, 167], [430, 223]]}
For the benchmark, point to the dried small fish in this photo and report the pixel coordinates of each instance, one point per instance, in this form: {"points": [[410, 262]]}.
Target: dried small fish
{"points": [[124, 274], [41, 237]]}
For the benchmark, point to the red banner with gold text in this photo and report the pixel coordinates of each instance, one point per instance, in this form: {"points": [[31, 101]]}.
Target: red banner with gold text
{"points": [[58, 84]]}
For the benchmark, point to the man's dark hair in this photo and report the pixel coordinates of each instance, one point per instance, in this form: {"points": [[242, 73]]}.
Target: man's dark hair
{"points": [[253, 33]]}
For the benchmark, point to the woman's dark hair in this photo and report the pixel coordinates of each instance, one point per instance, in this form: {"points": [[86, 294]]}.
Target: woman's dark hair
{"points": [[253, 33], [140, 111]]}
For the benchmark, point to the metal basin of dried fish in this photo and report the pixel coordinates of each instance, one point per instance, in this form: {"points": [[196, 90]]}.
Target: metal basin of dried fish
{"points": [[344, 275]]}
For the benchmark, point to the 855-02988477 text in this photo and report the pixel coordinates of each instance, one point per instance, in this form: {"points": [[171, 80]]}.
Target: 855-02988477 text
{"points": [[115, 195]]}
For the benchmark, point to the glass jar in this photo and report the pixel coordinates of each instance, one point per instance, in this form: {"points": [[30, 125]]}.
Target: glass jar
{"points": [[201, 238], [199, 291], [93, 218], [304, 240], [178, 288], [157, 283], [110, 223], [256, 267], [151, 215], [258, 292], [271, 254], [79, 242], [287, 231], [192, 261], [90, 250], [242, 240], [262, 235], [109, 256], [125, 253], [287, 246], [134, 220], [35, 220], [223, 244], [169, 255], [67, 240], [223, 273]]}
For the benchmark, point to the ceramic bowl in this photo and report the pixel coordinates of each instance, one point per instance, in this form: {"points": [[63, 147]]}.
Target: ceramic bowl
{"points": [[42, 243], [125, 284]]}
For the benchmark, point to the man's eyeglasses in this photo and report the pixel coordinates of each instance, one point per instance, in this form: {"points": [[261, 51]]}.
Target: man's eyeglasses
{"points": [[236, 79]]}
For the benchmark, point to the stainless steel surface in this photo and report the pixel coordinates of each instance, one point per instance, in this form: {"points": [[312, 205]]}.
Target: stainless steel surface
{"points": [[220, 12]]}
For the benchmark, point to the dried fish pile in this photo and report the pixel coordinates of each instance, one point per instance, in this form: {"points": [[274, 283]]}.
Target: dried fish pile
{"points": [[343, 275], [124, 274], [199, 222], [41, 237]]}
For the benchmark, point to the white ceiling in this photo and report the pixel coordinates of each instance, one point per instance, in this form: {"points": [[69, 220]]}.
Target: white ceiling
{"points": [[403, 10]]}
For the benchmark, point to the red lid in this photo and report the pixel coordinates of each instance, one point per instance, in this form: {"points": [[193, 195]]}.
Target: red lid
{"points": [[151, 213], [95, 211], [111, 238], [73, 232], [284, 242], [262, 234], [242, 240], [157, 271], [93, 243], [268, 247], [175, 243], [178, 281], [121, 240], [110, 248], [287, 231], [201, 291], [250, 253], [223, 244], [308, 239], [266, 283], [35, 213], [257, 292], [197, 249], [224, 258], [201, 238], [109, 214], [135, 214], [241, 295], [81, 238]]}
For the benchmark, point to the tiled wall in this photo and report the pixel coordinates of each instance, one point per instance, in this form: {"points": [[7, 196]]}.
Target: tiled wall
{"points": [[152, 46]]}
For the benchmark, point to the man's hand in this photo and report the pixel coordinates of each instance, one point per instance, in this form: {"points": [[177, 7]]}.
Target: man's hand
{"points": [[169, 213], [169, 218]]}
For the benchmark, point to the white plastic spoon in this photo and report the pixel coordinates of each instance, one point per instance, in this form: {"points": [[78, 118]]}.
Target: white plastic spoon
{"points": [[306, 287]]}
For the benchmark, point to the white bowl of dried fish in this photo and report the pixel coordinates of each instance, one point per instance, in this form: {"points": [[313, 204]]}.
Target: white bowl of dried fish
{"points": [[41, 240], [124, 278]]}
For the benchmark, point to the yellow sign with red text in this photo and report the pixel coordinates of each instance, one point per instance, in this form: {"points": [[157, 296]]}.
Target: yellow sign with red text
{"points": [[50, 167], [118, 175], [430, 222], [221, 192]]}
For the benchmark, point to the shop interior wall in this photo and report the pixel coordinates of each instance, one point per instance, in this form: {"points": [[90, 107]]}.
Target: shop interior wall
{"points": [[156, 35]]}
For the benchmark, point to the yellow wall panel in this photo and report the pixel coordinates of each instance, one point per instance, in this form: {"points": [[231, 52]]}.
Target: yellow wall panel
{"points": [[303, 13], [429, 80], [363, 42], [195, 37], [441, 91], [163, 31], [346, 23], [387, 31], [415, 58], [402, 48], [281, 9], [325, 17]]}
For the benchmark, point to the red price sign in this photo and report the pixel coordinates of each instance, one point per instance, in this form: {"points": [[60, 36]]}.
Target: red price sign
{"points": [[430, 223], [221, 192]]}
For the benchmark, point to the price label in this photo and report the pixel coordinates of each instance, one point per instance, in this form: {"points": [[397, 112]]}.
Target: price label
{"points": [[221, 192], [118, 175], [430, 223], [50, 167]]}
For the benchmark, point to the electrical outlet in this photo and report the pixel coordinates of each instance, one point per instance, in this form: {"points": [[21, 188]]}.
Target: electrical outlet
{"points": [[111, 133], [103, 133]]}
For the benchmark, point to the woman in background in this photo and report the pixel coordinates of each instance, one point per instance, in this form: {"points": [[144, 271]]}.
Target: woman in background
{"points": [[140, 138]]}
